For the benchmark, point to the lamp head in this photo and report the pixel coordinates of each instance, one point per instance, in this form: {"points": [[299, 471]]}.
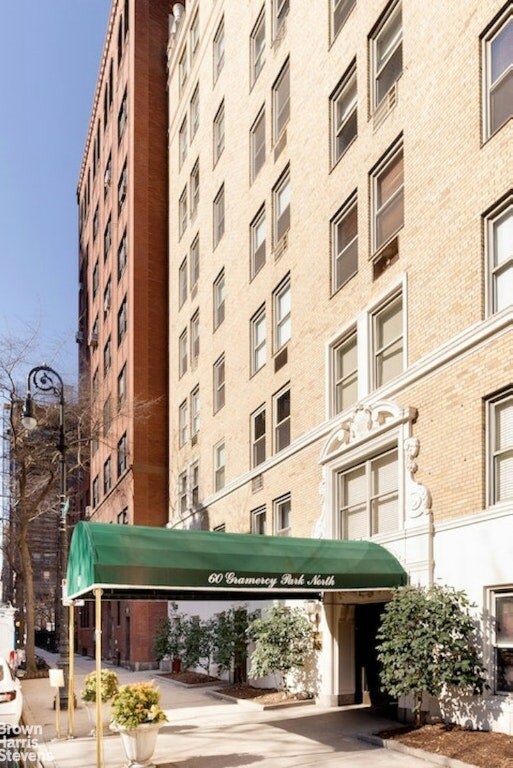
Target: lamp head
{"points": [[28, 419]]}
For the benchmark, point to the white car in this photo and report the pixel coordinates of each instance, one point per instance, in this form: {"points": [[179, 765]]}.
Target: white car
{"points": [[11, 697]]}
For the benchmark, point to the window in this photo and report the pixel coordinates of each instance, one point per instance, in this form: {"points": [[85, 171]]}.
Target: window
{"points": [[107, 357], [183, 69], [195, 411], [182, 492], [195, 340], [219, 133], [93, 336], [345, 373], [96, 382], [219, 466], [122, 255], [387, 328], [182, 283], [281, 101], [282, 516], [498, 57], [500, 430], [258, 521], [122, 455], [195, 263], [122, 187], [281, 198], [96, 491], [340, 11], [182, 353], [344, 114], [388, 197], [219, 50], [195, 189], [107, 415], [194, 112], [282, 311], [503, 614], [219, 216], [107, 295], [122, 387], [107, 176], [219, 299], [500, 257], [122, 320], [194, 36], [182, 423], [122, 116], [257, 142], [387, 53], [282, 420], [281, 9], [182, 142], [182, 212], [257, 242], [258, 340], [195, 485], [122, 519], [96, 222], [219, 382], [258, 437], [107, 477], [257, 47], [368, 498], [344, 239]]}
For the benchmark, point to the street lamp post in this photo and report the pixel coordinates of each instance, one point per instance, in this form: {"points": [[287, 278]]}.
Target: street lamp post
{"points": [[47, 380]]}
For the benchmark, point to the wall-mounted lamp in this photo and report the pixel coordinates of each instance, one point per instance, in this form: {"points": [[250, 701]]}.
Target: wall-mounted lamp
{"points": [[313, 610]]}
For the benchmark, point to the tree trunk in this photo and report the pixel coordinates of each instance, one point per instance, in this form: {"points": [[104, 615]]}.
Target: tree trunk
{"points": [[26, 560]]}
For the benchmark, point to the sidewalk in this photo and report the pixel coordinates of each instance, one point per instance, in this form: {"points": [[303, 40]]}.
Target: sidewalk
{"points": [[205, 732]]}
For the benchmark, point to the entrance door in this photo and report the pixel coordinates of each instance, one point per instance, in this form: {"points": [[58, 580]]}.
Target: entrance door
{"points": [[367, 683]]}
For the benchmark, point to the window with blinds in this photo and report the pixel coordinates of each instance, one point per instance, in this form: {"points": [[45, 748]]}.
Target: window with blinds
{"points": [[368, 497], [501, 422]]}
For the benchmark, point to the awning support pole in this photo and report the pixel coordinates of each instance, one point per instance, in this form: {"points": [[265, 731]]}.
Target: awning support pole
{"points": [[98, 655], [71, 672]]}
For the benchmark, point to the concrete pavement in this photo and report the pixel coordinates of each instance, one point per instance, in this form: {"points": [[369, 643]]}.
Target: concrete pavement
{"points": [[205, 732]]}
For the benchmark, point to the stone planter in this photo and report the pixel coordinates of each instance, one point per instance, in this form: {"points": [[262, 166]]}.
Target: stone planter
{"points": [[106, 716], [139, 743]]}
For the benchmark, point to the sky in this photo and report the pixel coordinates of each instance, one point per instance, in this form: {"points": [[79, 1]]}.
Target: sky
{"points": [[49, 58]]}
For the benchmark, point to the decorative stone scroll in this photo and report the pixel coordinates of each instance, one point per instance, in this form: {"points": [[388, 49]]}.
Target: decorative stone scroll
{"points": [[363, 422], [418, 498]]}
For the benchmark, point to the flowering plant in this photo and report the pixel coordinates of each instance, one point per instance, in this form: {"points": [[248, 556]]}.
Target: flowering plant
{"points": [[136, 704], [108, 686]]}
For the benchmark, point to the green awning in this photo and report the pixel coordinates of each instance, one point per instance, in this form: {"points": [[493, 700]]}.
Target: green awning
{"points": [[141, 562]]}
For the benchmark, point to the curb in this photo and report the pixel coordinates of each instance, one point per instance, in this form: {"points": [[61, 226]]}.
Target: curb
{"points": [[213, 684], [250, 704], [432, 757]]}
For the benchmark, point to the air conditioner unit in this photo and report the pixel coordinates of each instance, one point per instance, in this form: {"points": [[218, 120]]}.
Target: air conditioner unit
{"points": [[93, 339]]}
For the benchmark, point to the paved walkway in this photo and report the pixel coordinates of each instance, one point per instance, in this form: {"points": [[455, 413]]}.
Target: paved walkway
{"points": [[205, 732]]}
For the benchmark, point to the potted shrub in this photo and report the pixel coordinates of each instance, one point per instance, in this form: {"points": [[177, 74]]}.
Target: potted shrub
{"points": [[137, 716], [109, 686]]}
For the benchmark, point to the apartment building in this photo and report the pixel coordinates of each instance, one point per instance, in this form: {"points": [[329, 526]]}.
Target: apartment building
{"points": [[122, 198], [341, 296]]}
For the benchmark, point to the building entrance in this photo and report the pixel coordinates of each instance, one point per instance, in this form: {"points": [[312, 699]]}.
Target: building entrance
{"points": [[367, 680]]}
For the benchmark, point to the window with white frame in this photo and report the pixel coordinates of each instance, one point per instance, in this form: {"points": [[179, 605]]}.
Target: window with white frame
{"points": [[219, 384], [498, 68], [194, 112], [183, 69], [500, 440], [219, 216], [368, 497], [344, 240], [500, 256], [388, 341], [257, 46], [281, 101], [257, 242], [257, 144], [388, 197], [182, 142], [182, 283], [195, 262], [219, 299], [122, 454], [258, 520], [182, 492], [258, 447], [194, 471], [344, 114], [344, 366], [282, 314], [195, 411], [258, 340], [122, 320], [282, 511], [281, 420], [387, 53], [182, 423], [182, 353], [503, 645], [340, 10], [195, 340], [218, 133], [219, 44], [194, 36], [219, 466], [280, 9], [182, 212], [281, 200], [195, 189]]}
